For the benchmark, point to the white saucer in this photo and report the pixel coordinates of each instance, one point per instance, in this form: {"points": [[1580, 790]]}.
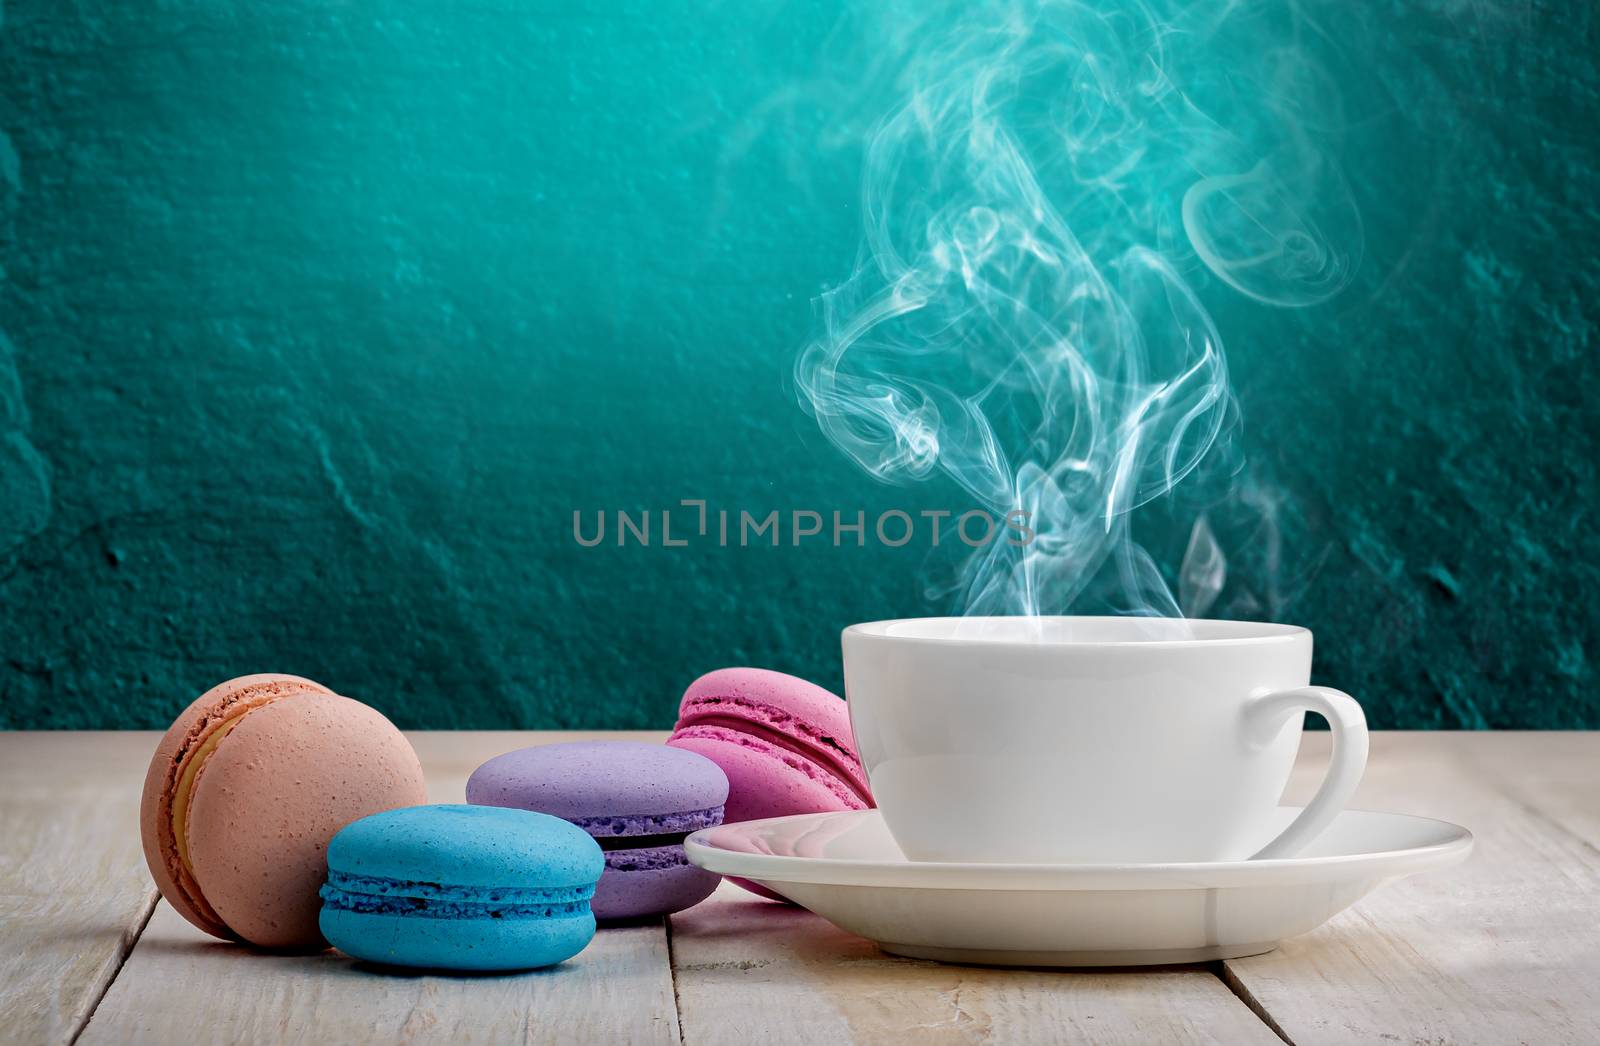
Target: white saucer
{"points": [[847, 868]]}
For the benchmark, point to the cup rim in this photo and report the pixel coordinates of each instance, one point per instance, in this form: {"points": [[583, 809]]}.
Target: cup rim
{"points": [[1248, 633]]}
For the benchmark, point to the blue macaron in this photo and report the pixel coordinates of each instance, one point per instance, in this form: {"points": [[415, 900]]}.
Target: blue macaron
{"points": [[461, 888]]}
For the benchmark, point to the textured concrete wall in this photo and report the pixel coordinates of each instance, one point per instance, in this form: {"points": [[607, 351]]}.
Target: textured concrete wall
{"points": [[318, 320]]}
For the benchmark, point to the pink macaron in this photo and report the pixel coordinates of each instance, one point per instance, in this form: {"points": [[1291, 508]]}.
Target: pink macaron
{"points": [[784, 743]]}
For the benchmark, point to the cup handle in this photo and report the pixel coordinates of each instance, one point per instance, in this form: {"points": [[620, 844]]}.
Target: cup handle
{"points": [[1267, 714]]}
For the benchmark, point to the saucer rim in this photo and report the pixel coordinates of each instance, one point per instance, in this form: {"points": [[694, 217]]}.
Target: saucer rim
{"points": [[953, 875]]}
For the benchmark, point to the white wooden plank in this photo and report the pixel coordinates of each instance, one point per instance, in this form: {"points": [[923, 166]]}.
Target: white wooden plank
{"points": [[73, 887], [180, 986], [1555, 774], [750, 971], [1502, 949]]}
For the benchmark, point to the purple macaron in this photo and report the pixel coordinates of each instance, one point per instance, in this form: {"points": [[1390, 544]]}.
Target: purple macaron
{"points": [[637, 800]]}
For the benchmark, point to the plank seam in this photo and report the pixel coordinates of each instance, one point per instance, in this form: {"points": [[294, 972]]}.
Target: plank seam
{"points": [[131, 940], [1225, 973], [672, 972]]}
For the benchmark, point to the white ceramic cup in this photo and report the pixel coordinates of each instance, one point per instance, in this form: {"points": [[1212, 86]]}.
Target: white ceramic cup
{"points": [[1092, 739]]}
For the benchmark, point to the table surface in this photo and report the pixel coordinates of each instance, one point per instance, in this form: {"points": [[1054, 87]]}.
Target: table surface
{"points": [[1502, 949]]}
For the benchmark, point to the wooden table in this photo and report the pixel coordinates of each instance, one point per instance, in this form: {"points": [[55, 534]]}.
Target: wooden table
{"points": [[1503, 949]]}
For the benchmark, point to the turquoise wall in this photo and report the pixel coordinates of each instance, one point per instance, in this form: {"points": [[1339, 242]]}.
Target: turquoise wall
{"points": [[318, 321]]}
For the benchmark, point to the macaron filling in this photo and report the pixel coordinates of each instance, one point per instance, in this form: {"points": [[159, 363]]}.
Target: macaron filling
{"points": [[646, 859], [622, 838], [636, 826], [376, 895], [612, 844], [778, 728], [816, 770], [184, 794], [647, 842]]}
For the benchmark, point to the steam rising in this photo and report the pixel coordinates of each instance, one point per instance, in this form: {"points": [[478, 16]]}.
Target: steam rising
{"points": [[1039, 206]]}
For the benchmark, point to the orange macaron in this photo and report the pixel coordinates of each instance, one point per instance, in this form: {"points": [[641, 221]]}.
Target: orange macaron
{"points": [[247, 788]]}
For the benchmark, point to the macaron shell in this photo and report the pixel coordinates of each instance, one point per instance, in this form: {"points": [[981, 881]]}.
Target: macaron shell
{"points": [[800, 697], [650, 882], [155, 805], [468, 847], [458, 944], [583, 781], [290, 775]]}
